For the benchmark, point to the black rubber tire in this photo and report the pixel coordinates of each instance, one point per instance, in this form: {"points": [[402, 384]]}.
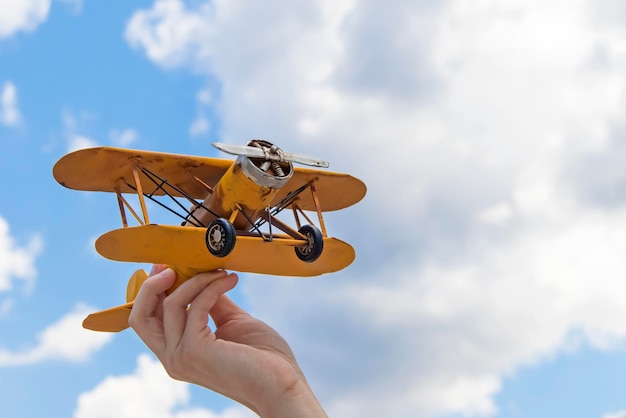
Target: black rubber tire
{"points": [[220, 237], [315, 246]]}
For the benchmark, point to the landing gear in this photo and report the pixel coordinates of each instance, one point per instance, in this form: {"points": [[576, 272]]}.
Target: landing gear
{"points": [[315, 245], [220, 237]]}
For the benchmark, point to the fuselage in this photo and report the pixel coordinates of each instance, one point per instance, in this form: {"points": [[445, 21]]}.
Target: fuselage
{"points": [[249, 187]]}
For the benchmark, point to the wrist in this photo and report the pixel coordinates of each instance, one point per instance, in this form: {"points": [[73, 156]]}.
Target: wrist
{"points": [[298, 402]]}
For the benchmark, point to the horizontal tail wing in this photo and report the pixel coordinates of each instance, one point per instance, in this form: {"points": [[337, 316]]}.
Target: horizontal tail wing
{"points": [[110, 320], [116, 319]]}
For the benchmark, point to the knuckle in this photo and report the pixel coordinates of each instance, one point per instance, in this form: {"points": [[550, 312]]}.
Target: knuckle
{"points": [[132, 322], [133, 319]]}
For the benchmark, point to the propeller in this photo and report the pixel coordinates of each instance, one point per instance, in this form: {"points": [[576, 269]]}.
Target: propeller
{"points": [[269, 152]]}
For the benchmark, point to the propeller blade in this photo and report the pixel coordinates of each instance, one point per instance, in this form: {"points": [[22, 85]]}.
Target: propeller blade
{"points": [[255, 152], [303, 159]]}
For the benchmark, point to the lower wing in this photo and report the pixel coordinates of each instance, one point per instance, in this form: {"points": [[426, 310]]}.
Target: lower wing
{"points": [[185, 246]]}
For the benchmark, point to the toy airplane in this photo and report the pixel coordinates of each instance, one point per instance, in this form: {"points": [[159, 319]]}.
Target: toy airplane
{"points": [[229, 213]]}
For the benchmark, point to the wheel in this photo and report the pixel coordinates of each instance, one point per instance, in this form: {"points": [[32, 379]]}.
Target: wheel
{"points": [[220, 237], [313, 249]]}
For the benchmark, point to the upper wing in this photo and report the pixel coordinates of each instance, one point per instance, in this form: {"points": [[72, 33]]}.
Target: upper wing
{"points": [[105, 168], [109, 169], [334, 190]]}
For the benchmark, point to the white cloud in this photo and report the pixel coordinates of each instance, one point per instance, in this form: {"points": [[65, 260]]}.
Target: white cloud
{"points": [[17, 263], [199, 126], [620, 414], [76, 6], [204, 97], [64, 340], [72, 125], [497, 214], [24, 15], [9, 112], [170, 35], [76, 142], [5, 306], [490, 138], [148, 391], [233, 412], [123, 138]]}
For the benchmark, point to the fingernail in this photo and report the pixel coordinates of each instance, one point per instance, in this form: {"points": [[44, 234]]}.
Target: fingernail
{"points": [[168, 271]]}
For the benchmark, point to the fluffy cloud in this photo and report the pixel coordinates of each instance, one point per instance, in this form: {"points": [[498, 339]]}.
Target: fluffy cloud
{"points": [[63, 340], [620, 414], [24, 15], [199, 126], [17, 263], [489, 136], [73, 125], [76, 142], [76, 6], [9, 112], [154, 394], [170, 34], [123, 138]]}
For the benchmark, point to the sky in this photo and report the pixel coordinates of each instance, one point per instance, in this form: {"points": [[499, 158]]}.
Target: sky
{"points": [[489, 279]]}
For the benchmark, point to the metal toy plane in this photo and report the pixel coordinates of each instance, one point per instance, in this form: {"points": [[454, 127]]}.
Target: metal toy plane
{"points": [[229, 213]]}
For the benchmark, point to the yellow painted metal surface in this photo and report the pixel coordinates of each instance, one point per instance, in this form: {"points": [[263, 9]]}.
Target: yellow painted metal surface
{"points": [[104, 168], [110, 320], [235, 192], [134, 284], [101, 169], [185, 246]]}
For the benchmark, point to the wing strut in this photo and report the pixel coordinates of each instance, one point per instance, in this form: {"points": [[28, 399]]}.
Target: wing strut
{"points": [[318, 209], [160, 184], [142, 201], [121, 202]]}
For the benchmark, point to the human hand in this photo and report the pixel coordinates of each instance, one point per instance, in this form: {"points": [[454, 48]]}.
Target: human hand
{"points": [[243, 358]]}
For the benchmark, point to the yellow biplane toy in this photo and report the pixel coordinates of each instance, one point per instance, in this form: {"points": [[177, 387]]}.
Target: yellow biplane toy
{"points": [[228, 209]]}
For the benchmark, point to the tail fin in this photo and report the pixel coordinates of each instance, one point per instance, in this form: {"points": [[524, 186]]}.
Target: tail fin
{"points": [[116, 319], [134, 284]]}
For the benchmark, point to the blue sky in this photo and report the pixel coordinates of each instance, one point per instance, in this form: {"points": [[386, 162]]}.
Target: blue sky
{"points": [[489, 278]]}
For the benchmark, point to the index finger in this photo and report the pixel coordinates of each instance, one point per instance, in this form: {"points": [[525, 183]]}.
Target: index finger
{"points": [[143, 317]]}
